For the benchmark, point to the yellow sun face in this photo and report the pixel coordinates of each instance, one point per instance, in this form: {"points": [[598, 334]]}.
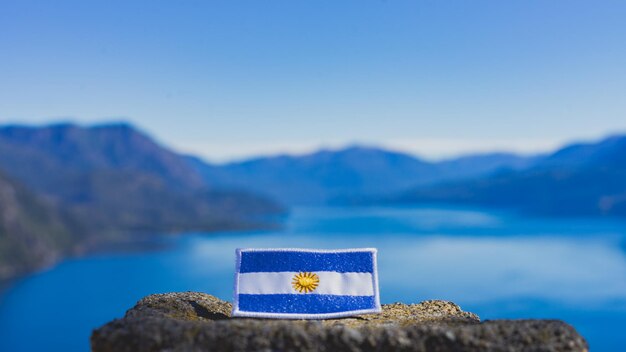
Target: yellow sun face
{"points": [[305, 282]]}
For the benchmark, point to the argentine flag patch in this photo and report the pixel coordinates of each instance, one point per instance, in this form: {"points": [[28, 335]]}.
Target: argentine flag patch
{"points": [[305, 283]]}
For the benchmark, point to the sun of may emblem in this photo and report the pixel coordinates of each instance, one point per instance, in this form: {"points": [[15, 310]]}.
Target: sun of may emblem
{"points": [[305, 282]]}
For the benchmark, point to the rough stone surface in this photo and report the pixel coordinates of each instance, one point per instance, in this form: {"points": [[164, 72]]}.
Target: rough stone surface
{"points": [[192, 321]]}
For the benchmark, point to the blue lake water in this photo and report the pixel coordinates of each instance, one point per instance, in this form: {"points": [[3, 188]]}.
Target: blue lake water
{"points": [[497, 265]]}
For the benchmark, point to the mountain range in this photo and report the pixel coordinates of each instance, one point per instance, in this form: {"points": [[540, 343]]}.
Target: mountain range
{"points": [[118, 178], [100, 183], [65, 189], [355, 171], [582, 179]]}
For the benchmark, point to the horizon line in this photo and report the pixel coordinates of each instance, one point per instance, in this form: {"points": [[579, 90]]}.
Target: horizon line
{"points": [[456, 147]]}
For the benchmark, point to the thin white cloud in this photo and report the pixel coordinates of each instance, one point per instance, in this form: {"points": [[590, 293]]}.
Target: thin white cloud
{"points": [[222, 152], [429, 148], [440, 148]]}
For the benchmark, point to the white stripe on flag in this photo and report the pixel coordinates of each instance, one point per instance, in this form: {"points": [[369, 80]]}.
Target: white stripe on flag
{"points": [[331, 283]]}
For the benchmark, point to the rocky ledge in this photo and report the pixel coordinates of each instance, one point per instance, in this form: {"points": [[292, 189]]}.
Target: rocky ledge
{"points": [[193, 321]]}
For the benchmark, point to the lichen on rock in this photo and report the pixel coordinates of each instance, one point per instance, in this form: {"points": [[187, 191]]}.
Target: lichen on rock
{"points": [[192, 321]]}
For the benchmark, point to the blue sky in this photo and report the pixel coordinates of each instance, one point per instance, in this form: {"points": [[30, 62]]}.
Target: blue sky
{"points": [[227, 79]]}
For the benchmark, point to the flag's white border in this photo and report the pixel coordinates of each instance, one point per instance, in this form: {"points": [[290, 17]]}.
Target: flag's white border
{"points": [[239, 313]]}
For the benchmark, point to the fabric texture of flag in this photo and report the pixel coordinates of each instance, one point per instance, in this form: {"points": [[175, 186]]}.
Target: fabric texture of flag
{"points": [[305, 283]]}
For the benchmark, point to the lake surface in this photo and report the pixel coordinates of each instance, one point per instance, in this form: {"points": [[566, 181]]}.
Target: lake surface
{"points": [[497, 265]]}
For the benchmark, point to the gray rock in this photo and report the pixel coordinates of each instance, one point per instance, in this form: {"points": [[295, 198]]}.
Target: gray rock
{"points": [[193, 321]]}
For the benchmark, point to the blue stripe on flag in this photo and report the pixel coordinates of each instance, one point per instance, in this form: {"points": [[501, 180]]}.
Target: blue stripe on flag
{"points": [[272, 261], [304, 304]]}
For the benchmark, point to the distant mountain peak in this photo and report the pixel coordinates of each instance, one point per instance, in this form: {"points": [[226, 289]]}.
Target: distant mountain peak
{"points": [[352, 170], [362, 148], [609, 150], [120, 126], [69, 125], [109, 146], [98, 180], [581, 179], [358, 151]]}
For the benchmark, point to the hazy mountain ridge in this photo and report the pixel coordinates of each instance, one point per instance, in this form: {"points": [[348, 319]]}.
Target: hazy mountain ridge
{"points": [[33, 233], [355, 171], [477, 165], [64, 187], [584, 179], [606, 152], [117, 177], [107, 181], [29, 151]]}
